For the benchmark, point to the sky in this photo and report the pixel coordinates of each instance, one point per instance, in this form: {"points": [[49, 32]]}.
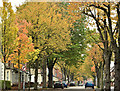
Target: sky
{"points": [[14, 3]]}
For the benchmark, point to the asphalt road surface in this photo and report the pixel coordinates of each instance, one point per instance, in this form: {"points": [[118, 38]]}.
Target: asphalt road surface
{"points": [[74, 88]]}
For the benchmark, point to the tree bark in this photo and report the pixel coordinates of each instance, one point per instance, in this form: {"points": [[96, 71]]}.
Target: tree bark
{"points": [[29, 77], [68, 78], [98, 80], [94, 80], [64, 74], [36, 74], [107, 57], [117, 70], [102, 68], [4, 76], [19, 75], [50, 64], [44, 74], [50, 77], [117, 53]]}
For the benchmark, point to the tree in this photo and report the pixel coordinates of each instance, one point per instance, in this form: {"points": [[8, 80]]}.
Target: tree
{"points": [[22, 47], [8, 30], [96, 15], [32, 57], [96, 55], [47, 30], [111, 32], [102, 29]]}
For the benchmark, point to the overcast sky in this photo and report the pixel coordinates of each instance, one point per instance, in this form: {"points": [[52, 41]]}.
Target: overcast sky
{"points": [[14, 3]]}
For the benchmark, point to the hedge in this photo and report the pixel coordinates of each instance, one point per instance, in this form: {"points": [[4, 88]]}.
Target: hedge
{"points": [[8, 84]]}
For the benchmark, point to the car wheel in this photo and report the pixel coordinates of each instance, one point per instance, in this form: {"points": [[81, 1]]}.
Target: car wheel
{"points": [[85, 87], [93, 87], [62, 87]]}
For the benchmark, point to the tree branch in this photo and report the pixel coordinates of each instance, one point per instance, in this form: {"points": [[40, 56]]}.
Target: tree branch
{"points": [[99, 7], [54, 62], [97, 43], [97, 23]]}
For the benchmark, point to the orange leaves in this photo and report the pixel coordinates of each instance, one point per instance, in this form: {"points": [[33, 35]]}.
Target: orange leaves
{"points": [[25, 31], [16, 66], [93, 68], [23, 45], [59, 15]]}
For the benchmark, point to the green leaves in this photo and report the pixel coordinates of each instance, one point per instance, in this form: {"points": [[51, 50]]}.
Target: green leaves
{"points": [[49, 28], [9, 29]]}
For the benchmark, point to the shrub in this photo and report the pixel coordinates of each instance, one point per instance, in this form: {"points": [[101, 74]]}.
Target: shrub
{"points": [[8, 85]]}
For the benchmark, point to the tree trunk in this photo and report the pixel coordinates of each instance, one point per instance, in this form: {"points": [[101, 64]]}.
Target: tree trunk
{"points": [[64, 74], [68, 75], [44, 74], [95, 80], [102, 76], [36, 74], [19, 77], [68, 78], [4, 76], [4, 84], [117, 54], [72, 76], [29, 77], [98, 79], [117, 70], [50, 77], [107, 57]]}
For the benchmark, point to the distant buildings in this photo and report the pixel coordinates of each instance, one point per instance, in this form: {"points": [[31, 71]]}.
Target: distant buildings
{"points": [[12, 74]]}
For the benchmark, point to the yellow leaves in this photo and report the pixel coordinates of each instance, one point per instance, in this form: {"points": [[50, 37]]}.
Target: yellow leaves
{"points": [[114, 18], [25, 61], [9, 59], [104, 17], [22, 45], [16, 66]]}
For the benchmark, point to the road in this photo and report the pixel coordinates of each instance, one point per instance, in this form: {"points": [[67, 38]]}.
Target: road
{"points": [[82, 88], [79, 88], [74, 88]]}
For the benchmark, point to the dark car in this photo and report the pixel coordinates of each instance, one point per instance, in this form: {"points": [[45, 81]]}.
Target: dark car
{"points": [[58, 84], [72, 84], [64, 83], [89, 84]]}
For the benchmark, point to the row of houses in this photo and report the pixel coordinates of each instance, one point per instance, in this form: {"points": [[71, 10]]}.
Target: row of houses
{"points": [[12, 74]]}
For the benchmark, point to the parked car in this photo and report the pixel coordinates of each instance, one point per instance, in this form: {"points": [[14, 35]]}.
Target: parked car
{"points": [[64, 83], [58, 84], [89, 84], [72, 84]]}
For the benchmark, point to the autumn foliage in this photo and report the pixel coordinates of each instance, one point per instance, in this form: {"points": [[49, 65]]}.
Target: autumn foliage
{"points": [[22, 45]]}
